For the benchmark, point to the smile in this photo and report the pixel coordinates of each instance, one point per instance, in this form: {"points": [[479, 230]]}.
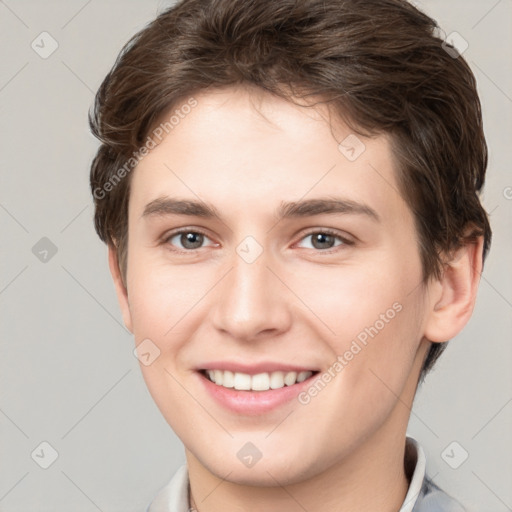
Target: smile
{"points": [[258, 382], [255, 393]]}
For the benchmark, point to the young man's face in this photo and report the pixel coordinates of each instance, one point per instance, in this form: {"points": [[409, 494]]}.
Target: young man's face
{"points": [[258, 292]]}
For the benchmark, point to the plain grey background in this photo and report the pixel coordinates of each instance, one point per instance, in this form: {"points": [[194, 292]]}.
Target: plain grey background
{"points": [[68, 374]]}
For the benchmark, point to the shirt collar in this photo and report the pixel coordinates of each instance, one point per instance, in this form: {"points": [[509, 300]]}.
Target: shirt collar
{"points": [[174, 496], [414, 458]]}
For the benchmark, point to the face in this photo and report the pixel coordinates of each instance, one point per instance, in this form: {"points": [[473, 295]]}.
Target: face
{"points": [[284, 267]]}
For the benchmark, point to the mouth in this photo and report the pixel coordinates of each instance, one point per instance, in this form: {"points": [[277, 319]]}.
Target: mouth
{"points": [[263, 381], [254, 394]]}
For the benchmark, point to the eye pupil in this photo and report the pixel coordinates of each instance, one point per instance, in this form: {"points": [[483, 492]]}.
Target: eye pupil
{"points": [[322, 238], [196, 239]]}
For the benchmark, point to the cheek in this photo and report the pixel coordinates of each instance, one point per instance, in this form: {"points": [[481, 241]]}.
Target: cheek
{"points": [[370, 370], [162, 303], [375, 319], [161, 296], [352, 298]]}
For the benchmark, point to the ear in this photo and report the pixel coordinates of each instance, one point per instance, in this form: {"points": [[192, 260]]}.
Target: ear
{"points": [[454, 294], [121, 291]]}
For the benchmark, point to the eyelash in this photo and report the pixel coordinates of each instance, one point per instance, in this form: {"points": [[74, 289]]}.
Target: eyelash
{"points": [[325, 231], [345, 241]]}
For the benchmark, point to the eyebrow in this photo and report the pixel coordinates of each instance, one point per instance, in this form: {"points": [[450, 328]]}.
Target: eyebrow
{"points": [[286, 210]]}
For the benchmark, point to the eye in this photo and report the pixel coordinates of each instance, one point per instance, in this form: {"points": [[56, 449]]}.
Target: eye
{"points": [[325, 239], [190, 240]]}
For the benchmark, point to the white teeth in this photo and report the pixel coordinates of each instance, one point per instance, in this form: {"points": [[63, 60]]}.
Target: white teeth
{"points": [[290, 378], [242, 381], [277, 380], [303, 376], [219, 374], [228, 379], [258, 382]]}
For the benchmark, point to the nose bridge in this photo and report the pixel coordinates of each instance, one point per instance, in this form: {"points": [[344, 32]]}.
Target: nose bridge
{"points": [[250, 299]]}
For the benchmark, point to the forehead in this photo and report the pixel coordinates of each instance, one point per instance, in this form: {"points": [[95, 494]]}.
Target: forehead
{"points": [[243, 149]]}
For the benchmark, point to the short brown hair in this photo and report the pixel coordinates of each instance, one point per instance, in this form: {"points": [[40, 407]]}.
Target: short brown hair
{"points": [[378, 63]]}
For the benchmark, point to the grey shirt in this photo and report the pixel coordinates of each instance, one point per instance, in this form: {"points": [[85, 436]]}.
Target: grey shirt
{"points": [[423, 495]]}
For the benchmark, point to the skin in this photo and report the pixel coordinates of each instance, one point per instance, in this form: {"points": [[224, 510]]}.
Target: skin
{"points": [[244, 152]]}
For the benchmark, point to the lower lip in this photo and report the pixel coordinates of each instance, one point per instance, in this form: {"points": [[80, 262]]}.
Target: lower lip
{"points": [[253, 402]]}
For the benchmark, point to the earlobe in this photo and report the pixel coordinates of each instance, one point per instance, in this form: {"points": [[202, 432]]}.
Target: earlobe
{"points": [[121, 291], [454, 294]]}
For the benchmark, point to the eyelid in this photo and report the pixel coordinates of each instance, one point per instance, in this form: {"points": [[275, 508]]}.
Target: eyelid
{"points": [[171, 234], [346, 240]]}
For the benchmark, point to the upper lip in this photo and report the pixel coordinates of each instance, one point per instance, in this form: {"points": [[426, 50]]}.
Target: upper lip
{"points": [[253, 369]]}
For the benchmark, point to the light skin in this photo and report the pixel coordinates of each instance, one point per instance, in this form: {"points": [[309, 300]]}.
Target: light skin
{"points": [[245, 153]]}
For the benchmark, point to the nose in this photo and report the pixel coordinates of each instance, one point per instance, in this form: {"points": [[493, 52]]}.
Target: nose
{"points": [[251, 302]]}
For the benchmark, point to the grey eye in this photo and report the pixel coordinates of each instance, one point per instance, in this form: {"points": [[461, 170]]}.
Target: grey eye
{"points": [[189, 240], [322, 240]]}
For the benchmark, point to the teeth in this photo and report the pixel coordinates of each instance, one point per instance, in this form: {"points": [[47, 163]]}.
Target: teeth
{"points": [[303, 376], [228, 379], [242, 381], [290, 378], [277, 380], [219, 377], [258, 382]]}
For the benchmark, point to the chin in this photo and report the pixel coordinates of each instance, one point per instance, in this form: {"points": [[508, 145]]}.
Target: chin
{"points": [[275, 469]]}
